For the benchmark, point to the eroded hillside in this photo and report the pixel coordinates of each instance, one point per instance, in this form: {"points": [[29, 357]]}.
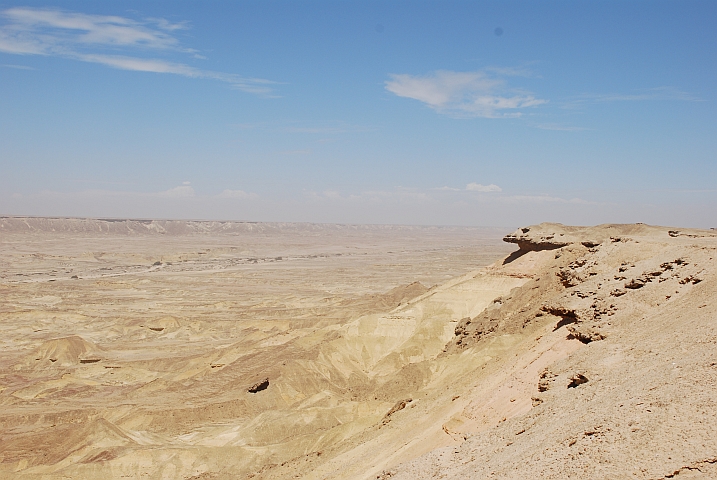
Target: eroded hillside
{"points": [[586, 353], [635, 394], [150, 353]]}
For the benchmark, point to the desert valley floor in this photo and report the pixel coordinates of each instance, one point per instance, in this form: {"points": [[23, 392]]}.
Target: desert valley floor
{"points": [[175, 349]]}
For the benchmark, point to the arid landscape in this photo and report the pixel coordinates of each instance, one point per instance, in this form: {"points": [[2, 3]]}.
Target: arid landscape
{"points": [[213, 350], [350, 240]]}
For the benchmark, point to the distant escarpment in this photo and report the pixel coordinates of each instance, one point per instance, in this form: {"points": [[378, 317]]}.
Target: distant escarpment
{"points": [[131, 226]]}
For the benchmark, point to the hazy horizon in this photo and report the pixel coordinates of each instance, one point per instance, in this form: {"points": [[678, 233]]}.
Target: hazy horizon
{"points": [[424, 113]]}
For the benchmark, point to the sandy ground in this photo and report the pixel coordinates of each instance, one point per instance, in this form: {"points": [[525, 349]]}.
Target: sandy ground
{"points": [[128, 348], [271, 351]]}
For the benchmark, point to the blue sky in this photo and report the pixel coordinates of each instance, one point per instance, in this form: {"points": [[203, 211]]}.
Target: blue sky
{"points": [[461, 113]]}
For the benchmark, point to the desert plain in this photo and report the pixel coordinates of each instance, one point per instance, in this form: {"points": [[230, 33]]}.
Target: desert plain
{"points": [[212, 350]]}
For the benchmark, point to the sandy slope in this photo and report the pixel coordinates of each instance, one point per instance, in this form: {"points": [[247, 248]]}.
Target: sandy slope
{"points": [[587, 353], [637, 398]]}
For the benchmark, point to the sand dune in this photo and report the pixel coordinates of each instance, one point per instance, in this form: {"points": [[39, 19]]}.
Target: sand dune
{"points": [[215, 350]]}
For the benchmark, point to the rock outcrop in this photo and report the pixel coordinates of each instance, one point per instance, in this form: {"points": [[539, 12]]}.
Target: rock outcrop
{"points": [[637, 399]]}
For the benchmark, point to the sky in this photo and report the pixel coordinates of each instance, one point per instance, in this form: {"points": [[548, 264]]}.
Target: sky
{"points": [[473, 113]]}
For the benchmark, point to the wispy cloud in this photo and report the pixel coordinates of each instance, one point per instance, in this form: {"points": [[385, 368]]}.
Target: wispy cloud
{"points": [[113, 41], [165, 24], [177, 192], [17, 67], [51, 31], [477, 187], [472, 187], [464, 94]]}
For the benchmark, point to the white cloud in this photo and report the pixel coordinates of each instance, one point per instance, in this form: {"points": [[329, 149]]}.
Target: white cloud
{"points": [[477, 187], [236, 194], [113, 41], [462, 94], [181, 191], [164, 24], [440, 88], [51, 30]]}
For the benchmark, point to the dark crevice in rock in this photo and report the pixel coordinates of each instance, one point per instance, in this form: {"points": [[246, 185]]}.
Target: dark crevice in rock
{"points": [[514, 256], [694, 466], [565, 321]]}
